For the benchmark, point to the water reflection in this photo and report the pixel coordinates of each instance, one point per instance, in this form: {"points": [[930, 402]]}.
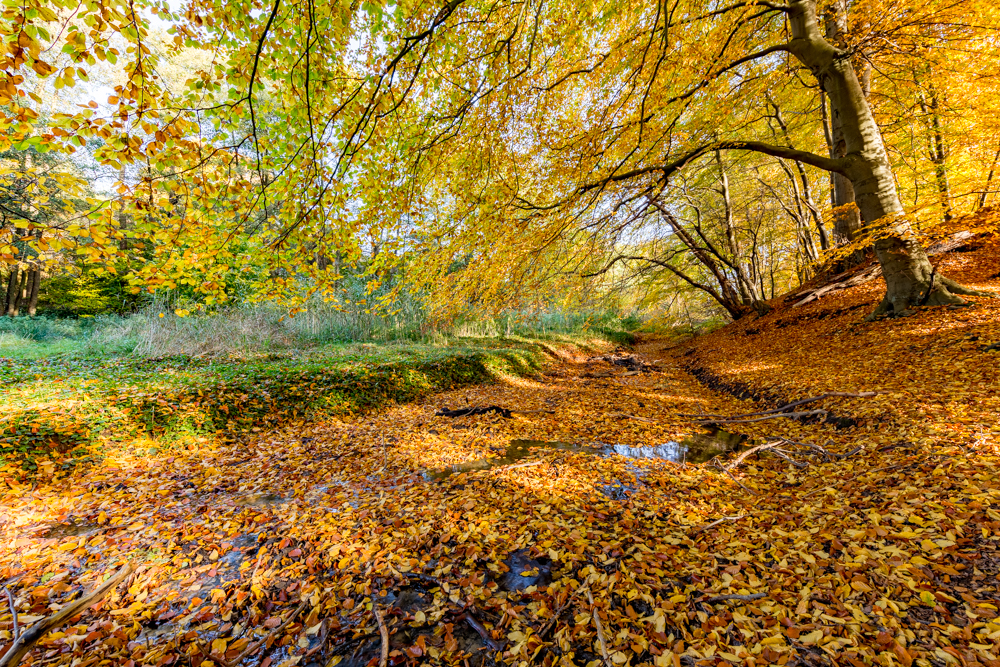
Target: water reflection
{"points": [[696, 448]]}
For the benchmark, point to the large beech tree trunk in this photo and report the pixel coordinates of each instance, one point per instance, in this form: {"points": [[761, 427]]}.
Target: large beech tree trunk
{"points": [[909, 277]]}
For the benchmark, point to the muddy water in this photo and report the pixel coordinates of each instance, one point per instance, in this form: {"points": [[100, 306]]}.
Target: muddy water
{"points": [[697, 448], [517, 450]]}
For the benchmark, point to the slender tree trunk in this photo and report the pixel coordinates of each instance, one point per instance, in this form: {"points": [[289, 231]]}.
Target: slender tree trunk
{"points": [[726, 296], [910, 279], [937, 151], [846, 217], [824, 241], [14, 309], [12, 283], [748, 288], [35, 282]]}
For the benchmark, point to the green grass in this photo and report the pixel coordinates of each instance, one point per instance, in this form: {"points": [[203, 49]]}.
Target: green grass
{"points": [[74, 398]]}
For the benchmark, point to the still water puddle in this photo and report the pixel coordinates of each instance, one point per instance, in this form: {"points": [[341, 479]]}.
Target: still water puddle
{"points": [[694, 449], [697, 448]]}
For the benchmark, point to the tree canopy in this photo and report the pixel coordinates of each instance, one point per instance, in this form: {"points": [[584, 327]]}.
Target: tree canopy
{"points": [[497, 152]]}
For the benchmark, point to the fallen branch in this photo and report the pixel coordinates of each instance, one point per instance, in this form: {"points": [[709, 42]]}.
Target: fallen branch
{"points": [[600, 629], [782, 454], [741, 598], [384, 633], [793, 404], [753, 450], [738, 482], [256, 646], [626, 415], [478, 627], [30, 637], [717, 522], [555, 617], [465, 412], [13, 612], [789, 415]]}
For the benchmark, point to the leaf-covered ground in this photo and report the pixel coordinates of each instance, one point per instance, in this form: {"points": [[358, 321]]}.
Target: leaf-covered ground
{"points": [[881, 548]]}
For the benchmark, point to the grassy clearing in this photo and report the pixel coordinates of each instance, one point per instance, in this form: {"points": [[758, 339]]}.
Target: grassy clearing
{"points": [[72, 400]]}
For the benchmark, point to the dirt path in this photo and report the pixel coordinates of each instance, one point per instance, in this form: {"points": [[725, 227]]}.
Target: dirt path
{"points": [[886, 555]]}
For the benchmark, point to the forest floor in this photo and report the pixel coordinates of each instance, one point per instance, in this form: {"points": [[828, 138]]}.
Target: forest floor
{"points": [[587, 528]]}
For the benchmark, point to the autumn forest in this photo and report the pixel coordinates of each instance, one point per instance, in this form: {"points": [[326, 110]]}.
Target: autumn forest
{"points": [[500, 332]]}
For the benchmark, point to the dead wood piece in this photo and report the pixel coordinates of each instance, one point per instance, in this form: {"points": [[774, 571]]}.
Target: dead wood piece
{"points": [[625, 415], [559, 612], [30, 637], [716, 523], [738, 482], [256, 646], [956, 240], [600, 629], [466, 412], [741, 598], [480, 630], [788, 415], [384, 633], [782, 454], [735, 463], [857, 279], [788, 406]]}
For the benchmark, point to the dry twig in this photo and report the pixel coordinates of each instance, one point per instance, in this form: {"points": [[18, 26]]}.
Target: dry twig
{"points": [[256, 646], [793, 404], [782, 415], [555, 617], [738, 482], [478, 627], [626, 415], [741, 598], [717, 522], [384, 633], [600, 629]]}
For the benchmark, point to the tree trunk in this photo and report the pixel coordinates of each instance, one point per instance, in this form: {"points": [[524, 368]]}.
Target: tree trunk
{"points": [[728, 298], [846, 216], [14, 308], [12, 284], [747, 285], [36, 279], [989, 180], [937, 153], [910, 279]]}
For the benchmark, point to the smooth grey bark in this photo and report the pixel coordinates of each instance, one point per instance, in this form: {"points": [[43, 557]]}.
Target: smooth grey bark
{"points": [[847, 217], [909, 276]]}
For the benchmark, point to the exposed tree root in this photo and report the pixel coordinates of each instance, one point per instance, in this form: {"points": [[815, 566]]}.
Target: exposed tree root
{"points": [[935, 291]]}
